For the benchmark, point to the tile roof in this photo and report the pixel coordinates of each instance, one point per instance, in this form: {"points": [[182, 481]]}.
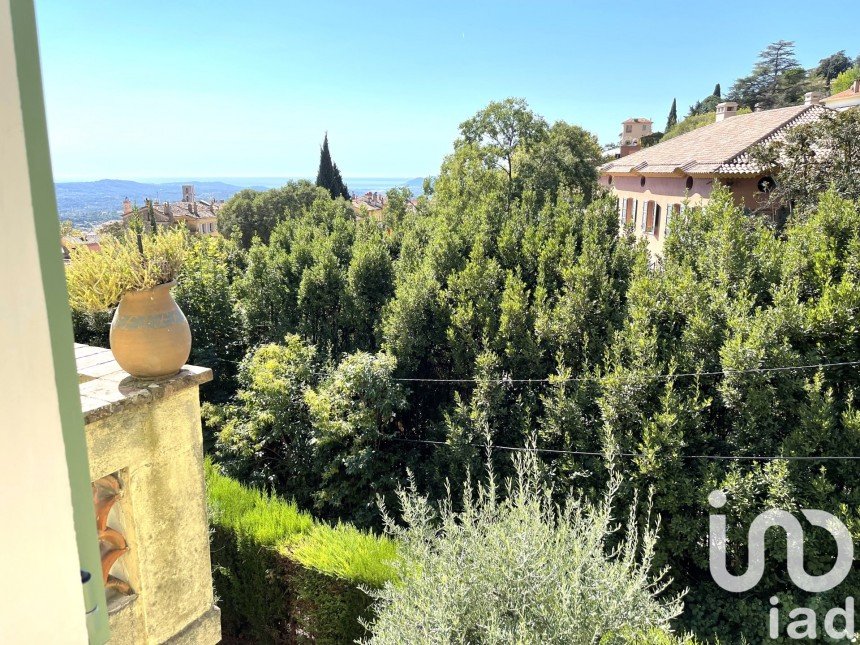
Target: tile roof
{"points": [[717, 149], [839, 96], [181, 210]]}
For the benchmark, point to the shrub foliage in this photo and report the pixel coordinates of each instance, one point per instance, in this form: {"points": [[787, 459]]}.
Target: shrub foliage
{"points": [[280, 576], [520, 570]]}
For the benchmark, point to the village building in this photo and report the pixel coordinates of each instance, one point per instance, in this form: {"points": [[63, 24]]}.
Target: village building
{"points": [[849, 98], [198, 215], [655, 183], [371, 204], [632, 131], [69, 242]]}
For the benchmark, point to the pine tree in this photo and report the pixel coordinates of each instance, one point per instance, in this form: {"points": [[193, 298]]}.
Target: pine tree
{"points": [[673, 116], [717, 91], [328, 175]]}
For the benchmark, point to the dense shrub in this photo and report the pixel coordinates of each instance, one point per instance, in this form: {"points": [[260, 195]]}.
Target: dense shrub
{"points": [[203, 291], [523, 570], [264, 437], [281, 577], [92, 328]]}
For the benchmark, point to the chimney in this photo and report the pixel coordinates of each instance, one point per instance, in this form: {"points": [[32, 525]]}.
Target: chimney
{"points": [[726, 110], [812, 98], [126, 206]]}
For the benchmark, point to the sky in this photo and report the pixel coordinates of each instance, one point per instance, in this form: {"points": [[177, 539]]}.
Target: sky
{"points": [[207, 89]]}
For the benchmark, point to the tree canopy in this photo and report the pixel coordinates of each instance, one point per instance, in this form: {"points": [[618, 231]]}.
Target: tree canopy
{"points": [[844, 80], [252, 213], [815, 157], [777, 79]]}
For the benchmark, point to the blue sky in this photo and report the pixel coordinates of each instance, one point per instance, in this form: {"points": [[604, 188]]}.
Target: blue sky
{"points": [[216, 89]]}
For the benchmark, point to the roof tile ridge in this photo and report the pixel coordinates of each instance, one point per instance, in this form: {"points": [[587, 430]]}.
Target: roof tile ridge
{"points": [[806, 108]]}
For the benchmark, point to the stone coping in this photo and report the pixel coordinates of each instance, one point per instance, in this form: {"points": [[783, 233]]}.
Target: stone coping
{"points": [[107, 389]]}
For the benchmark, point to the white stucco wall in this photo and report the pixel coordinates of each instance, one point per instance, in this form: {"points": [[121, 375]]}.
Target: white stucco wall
{"points": [[40, 598]]}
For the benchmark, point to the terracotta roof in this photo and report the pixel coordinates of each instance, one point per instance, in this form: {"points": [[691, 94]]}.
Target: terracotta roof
{"points": [[844, 94], [180, 210], [638, 120], [717, 149]]}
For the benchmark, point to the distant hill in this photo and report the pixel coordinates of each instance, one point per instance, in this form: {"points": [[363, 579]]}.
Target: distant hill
{"points": [[90, 203]]}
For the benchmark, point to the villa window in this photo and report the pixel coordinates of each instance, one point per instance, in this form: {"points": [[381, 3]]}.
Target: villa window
{"points": [[629, 128], [656, 229], [648, 220], [628, 210], [635, 211]]}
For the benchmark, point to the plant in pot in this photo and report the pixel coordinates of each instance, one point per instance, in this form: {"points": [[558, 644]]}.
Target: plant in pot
{"points": [[149, 334]]}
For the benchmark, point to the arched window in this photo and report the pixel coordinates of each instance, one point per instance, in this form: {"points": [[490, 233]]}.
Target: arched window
{"points": [[656, 230]]}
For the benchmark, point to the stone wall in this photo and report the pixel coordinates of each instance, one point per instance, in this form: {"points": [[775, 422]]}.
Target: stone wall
{"points": [[144, 441]]}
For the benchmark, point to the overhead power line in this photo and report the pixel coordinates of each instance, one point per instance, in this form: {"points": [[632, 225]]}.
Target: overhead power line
{"points": [[635, 454], [753, 370]]}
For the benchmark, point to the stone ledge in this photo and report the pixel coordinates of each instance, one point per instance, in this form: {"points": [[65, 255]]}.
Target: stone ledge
{"points": [[205, 630], [107, 389]]}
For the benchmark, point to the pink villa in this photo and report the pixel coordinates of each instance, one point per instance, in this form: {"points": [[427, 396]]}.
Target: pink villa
{"points": [[653, 184]]}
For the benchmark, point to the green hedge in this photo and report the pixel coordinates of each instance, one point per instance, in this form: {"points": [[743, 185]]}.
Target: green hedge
{"points": [[283, 577]]}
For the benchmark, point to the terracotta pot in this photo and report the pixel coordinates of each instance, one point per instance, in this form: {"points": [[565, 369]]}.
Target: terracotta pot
{"points": [[149, 334]]}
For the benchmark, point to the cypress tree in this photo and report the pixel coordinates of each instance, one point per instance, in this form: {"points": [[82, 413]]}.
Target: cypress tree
{"points": [[673, 116], [325, 174], [717, 91], [328, 175], [340, 187]]}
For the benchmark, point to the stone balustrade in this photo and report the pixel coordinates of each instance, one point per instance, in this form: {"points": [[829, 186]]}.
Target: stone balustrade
{"points": [[146, 464]]}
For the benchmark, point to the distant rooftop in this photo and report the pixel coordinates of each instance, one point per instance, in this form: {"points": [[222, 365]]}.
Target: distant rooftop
{"points": [[179, 210], [718, 149], [851, 93]]}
